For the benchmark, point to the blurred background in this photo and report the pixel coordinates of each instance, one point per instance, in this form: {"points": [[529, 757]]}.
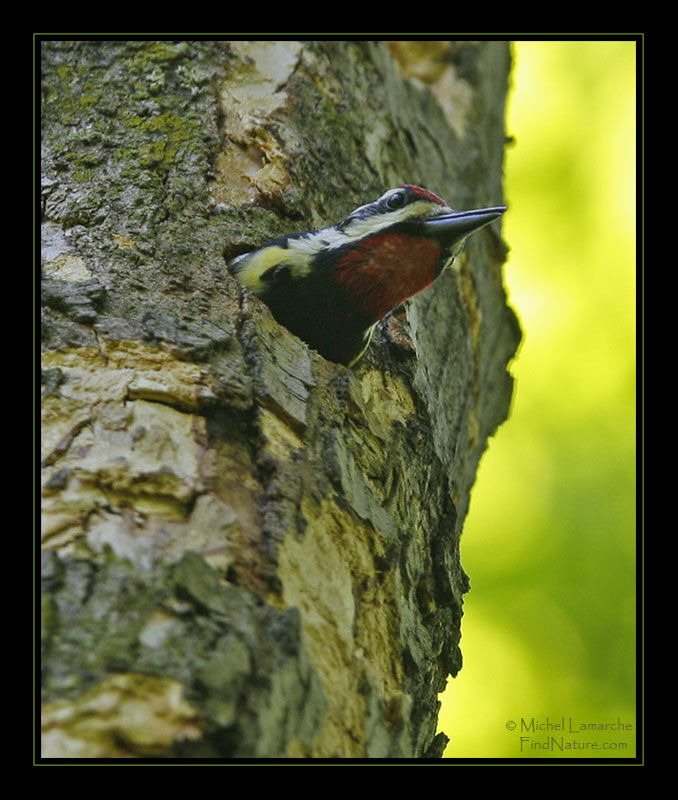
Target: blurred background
{"points": [[548, 633]]}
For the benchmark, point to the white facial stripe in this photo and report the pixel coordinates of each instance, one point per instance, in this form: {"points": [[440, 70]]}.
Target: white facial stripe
{"points": [[250, 267], [362, 226]]}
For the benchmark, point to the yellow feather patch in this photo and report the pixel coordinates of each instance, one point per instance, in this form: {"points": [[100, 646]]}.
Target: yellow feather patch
{"points": [[255, 264]]}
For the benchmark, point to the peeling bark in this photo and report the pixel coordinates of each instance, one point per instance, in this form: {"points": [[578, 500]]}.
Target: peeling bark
{"points": [[248, 551]]}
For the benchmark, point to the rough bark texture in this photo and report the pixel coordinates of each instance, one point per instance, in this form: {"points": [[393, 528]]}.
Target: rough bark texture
{"points": [[250, 552]]}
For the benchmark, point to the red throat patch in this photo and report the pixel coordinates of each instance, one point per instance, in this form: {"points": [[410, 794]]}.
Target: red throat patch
{"points": [[383, 270]]}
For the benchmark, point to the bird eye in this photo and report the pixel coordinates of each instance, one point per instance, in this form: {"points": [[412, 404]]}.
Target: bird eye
{"points": [[396, 200]]}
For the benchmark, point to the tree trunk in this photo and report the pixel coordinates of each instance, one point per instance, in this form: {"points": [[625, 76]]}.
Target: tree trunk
{"points": [[248, 551]]}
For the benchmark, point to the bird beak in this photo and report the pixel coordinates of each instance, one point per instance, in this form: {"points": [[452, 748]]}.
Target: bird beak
{"points": [[457, 225]]}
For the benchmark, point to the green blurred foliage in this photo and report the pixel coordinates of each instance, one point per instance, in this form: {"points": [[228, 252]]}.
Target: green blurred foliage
{"points": [[549, 544]]}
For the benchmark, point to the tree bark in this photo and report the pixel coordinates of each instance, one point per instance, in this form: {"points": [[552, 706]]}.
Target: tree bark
{"points": [[248, 551]]}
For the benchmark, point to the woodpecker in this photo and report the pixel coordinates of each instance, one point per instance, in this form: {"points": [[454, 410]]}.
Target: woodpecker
{"points": [[331, 287]]}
